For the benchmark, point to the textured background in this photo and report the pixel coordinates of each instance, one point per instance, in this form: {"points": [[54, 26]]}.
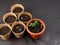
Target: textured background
{"points": [[47, 10]]}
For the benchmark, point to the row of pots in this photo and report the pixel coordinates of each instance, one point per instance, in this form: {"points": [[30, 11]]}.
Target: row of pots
{"points": [[15, 17], [18, 24], [5, 35], [20, 34]]}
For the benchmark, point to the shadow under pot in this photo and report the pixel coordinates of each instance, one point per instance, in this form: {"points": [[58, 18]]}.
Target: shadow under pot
{"points": [[24, 17], [18, 29], [36, 28], [5, 31], [17, 8], [9, 18]]}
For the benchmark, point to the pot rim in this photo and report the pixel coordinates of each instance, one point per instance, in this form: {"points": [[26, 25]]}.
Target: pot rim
{"points": [[15, 23], [3, 25], [27, 13], [8, 14], [44, 26], [17, 5]]}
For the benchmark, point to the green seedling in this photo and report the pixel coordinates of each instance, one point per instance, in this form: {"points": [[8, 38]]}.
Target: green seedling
{"points": [[17, 27], [33, 24], [41, 26], [30, 24], [35, 21]]}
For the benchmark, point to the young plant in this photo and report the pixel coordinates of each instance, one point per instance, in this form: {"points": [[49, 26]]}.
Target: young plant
{"points": [[41, 26], [33, 24], [18, 28]]}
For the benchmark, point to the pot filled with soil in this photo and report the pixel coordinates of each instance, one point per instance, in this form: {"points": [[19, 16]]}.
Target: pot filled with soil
{"points": [[18, 29], [35, 28], [5, 31], [24, 17], [9, 18], [17, 8]]}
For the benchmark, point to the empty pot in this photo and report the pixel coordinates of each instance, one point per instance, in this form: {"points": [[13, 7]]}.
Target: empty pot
{"points": [[5, 31], [17, 8], [9, 18]]}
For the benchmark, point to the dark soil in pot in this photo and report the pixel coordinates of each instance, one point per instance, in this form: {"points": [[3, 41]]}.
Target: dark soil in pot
{"points": [[24, 18], [4, 30], [18, 28], [35, 26], [10, 19], [17, 10]]}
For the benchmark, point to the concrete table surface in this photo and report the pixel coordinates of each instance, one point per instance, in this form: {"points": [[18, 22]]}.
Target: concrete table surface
{"points": [[47, 10]]}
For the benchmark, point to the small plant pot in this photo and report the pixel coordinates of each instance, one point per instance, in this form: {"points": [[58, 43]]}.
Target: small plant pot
{"points": [[5, 31], [18, 29], [17, 8], [36, 28], [9, 18], [24, 17]]}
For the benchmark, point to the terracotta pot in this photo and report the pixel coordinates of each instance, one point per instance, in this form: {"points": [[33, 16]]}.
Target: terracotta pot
{"points": [[26, 13], [18, 35], [7, 15], [36, 35], [7, 35], [15, 6]]}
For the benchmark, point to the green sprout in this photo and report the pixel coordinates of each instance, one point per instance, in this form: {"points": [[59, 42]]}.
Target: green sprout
{"points": [[17, 27], [35, 21], [41, 26], [30, 24], [33, 24]]}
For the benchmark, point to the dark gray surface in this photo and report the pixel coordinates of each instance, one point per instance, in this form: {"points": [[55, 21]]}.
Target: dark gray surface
{"points": [[47, 10]]}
